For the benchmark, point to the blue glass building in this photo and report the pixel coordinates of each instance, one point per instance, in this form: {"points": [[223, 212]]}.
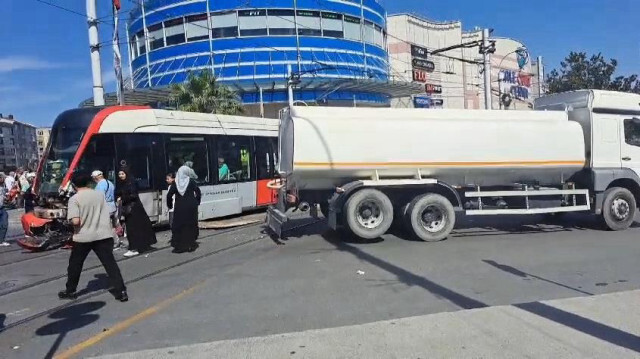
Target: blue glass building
{"points": [[337, 47]]}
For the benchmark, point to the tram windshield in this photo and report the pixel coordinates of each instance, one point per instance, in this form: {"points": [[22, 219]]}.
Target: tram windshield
{"points": [[65, 140]]}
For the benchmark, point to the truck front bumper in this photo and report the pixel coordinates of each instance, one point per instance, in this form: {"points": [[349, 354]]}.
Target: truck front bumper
{"points": [[276, 221]]}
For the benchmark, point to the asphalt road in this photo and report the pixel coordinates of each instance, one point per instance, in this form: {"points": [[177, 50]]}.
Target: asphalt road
{"points": [[241, 283]]}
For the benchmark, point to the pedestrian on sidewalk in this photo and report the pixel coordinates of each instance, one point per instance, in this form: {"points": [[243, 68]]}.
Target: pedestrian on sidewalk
{"points": [[4, 215], [140, 232], [184, 230], [89, 214], [108, 188]]}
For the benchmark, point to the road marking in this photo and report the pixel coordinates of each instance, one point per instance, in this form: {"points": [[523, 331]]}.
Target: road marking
{"points": [[119, 327]]}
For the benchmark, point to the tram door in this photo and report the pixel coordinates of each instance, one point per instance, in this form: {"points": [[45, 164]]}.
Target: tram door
{"points": [[143, 155]]}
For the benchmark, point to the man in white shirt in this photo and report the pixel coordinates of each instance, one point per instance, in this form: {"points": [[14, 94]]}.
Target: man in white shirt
{"points": [[89, 213]]}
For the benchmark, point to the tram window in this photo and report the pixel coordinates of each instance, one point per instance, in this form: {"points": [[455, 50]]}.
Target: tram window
{"points": [[266, 157], [100, 155], [136, 151], [181, 150], [233, 159]]}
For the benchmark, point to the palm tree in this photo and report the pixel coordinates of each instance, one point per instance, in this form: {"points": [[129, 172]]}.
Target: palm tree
{"points": [[202, 93]]}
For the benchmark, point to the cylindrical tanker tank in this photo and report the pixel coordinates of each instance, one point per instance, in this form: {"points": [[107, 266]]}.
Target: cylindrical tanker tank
{"points": [[321, 147]]}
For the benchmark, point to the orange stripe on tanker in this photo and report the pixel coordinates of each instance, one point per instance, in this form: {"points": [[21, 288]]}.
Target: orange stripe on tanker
{"points": [[441, 164]]}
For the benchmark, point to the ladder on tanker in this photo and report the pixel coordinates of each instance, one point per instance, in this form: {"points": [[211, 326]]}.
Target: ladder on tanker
{"points": [[571, 200]]}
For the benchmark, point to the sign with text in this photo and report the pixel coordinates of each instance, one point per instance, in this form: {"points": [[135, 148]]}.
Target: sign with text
{"points": [[420, 75], [431, 88], [421, 102], [417, 51], [437, 102], [426, 65]]}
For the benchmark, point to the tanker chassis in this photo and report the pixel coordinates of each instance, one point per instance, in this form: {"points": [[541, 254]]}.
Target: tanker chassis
{"points": [[364, 168]]}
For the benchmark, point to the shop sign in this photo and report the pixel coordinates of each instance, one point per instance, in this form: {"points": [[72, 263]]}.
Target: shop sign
{"points": [[426, 65], [422, 102], [431, 88], [417, 51], [420, 75]]}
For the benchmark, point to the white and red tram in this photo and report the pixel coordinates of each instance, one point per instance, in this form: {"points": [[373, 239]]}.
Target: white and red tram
{"points": [[234, 157]]}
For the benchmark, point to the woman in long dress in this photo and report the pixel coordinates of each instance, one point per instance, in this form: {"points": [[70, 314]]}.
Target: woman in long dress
{"points": [[184, 230], [140, 232]]}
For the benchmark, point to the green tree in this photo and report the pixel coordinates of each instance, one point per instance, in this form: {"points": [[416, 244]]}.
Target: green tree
{"points": [[202, 93], [579, 71]]}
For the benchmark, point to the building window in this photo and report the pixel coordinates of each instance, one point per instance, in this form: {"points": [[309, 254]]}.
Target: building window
{"points": [[224, 25], [369, 32], [309, 23], [197, 27], [142, 48], [189, 149], [156, 37], [252, 22], [174, 31], [281, 22], [233, 159], [378, 36], [133, 48], [332, 25], [352, 28]]}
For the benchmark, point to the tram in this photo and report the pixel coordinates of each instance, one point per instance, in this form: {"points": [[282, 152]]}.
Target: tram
{"points": [[234, 157]]}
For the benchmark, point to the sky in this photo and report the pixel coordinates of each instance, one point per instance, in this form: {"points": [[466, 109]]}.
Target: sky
{"points": [[44, 51]]}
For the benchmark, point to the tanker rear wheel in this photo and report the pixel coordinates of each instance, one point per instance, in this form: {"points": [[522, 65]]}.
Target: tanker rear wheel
{"points": [[618, 208], [431, 217], [368, 213]]}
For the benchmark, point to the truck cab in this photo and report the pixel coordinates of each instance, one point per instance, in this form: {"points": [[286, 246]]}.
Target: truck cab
{"points": [[611, 126]]}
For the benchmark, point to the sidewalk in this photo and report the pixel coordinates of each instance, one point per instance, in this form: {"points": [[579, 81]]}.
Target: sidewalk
{"points": [[604, 326]]}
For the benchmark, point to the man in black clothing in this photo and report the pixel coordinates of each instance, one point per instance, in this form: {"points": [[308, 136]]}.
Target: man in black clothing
{"points": [[89, 214]]}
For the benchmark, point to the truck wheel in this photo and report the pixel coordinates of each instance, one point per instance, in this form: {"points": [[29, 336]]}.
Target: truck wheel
{"points": [[618, 208], [431, 217], [368, 213]]}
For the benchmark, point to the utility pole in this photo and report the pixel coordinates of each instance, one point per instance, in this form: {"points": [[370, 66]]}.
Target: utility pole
{"points": [[94, 45], [540, 76], [486, 59]]}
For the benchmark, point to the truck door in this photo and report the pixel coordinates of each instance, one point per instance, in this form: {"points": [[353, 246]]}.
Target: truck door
{"points": [[630, 144]]}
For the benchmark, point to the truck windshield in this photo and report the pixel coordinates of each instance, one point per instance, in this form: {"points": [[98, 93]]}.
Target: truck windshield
{"points": [[65, 141]]}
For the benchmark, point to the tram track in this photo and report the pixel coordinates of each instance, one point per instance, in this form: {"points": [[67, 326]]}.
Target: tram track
{"points": [[86, 269], [31, 257], [90, 295]]}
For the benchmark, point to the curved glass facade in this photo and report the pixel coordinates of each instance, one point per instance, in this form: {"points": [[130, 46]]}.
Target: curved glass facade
{"points": [[249, 44]]}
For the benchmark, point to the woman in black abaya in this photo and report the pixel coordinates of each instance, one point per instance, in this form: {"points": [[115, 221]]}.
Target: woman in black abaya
{"points": [[140, 233], [184, 230]]}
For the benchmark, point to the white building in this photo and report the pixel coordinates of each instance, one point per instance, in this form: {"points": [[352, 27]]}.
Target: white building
{"points": [[456, 78]]}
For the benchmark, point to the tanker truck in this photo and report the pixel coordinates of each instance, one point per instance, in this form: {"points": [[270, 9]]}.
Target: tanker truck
{"points": [[365, 168]]}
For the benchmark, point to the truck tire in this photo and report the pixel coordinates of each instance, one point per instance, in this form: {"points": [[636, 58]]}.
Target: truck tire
{"points": [[618, 208], [431, 217], [368, 213]]}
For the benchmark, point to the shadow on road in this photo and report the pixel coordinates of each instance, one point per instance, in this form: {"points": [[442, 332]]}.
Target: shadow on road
{"points": [[587, 326], [68, 319]]}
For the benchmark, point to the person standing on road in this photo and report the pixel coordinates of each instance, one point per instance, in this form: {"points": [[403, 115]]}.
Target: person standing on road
{"points": [[171, 178], [4, 216], [105, 186], [29, 196], [138, 226], [89, 214], [184, 230]]}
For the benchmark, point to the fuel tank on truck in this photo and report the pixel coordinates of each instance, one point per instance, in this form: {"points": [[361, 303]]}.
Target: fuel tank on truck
{"points": [[324, 147]]}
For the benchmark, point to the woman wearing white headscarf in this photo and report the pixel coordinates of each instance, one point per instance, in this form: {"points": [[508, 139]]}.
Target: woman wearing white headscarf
{"points": [[184, 230]]}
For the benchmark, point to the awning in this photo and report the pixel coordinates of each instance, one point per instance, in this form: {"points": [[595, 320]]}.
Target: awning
{"points": [[160, 95]]}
